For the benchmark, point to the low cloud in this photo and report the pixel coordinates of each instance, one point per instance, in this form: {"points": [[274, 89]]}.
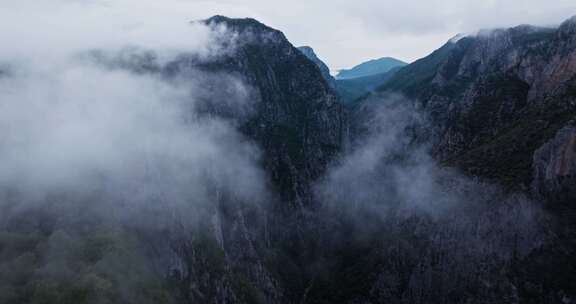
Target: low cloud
{"points": [[87, 109], [389, 173]]}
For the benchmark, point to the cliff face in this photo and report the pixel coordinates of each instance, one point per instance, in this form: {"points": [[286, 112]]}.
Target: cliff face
{"points": [[297, 122], [299, 125], [555, 167], [496, 97], [294, 116]]}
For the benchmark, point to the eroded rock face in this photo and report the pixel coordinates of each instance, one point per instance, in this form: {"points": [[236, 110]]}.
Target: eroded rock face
{"points": [[295, 121], [555, 167], [294, 116], [298, 122]]}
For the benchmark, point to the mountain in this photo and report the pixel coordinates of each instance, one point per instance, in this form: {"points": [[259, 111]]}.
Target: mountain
{"points": [[501, 106], [352, 89], [496, 98], [310, 54], [250, 253], [299, 125], [369, 68], [297, 120], [354, 210], [231, 250]]}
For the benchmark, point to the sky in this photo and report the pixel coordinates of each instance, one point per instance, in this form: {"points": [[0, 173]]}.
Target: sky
{"points": [[343, 32]]}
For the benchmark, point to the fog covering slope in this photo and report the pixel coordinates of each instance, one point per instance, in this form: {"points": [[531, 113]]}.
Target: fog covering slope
{"points": [[99, 155], [189, 164]]}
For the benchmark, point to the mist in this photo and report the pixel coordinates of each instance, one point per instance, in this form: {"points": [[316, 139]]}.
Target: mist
{"points": [[127, 175], [420, 223], [105, 160]]}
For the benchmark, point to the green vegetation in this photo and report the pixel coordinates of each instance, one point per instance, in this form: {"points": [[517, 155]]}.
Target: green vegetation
{"points": [[99, 265]]}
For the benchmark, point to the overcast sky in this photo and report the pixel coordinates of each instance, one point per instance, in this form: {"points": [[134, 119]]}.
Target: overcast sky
{"points": [[343, 32]]}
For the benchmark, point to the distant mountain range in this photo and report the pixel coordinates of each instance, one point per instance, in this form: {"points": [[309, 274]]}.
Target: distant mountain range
{"points": [[370, 68], [351, 89], [358, 81], [324, 69]]}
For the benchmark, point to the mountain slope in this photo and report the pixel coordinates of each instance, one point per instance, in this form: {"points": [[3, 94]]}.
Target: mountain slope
{"points": [[297, 121], [299, 125], [496, 97], [246, 252]]}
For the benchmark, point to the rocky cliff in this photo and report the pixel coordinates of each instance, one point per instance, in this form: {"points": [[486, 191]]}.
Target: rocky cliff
{"points": [[555, 167], [494, 98], [298, 122], [299, 125], [247, 253]]}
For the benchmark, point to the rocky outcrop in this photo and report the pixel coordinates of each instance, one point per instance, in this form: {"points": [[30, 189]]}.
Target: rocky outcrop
{"points": [[294, 116], [555, 167]]}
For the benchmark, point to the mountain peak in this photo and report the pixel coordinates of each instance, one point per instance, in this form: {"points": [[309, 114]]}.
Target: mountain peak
{"points": [[307, 49], [568, 26], [238, 24], [311, 54], [571, 20], [253, 32]]}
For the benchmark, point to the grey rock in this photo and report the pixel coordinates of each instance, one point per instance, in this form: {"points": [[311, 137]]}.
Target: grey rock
{"points": [[495, 97], [555, 167]]}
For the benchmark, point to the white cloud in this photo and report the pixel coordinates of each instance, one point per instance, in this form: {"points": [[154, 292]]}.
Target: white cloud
{"points": [[343, 32], [68, 124]]}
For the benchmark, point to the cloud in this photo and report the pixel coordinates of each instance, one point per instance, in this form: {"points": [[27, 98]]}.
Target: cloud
{"points": [[88, 133], [79, 112], [344, 33], [108, 162], [389, 202], [54, 27], [389, 170], [62, 124]]}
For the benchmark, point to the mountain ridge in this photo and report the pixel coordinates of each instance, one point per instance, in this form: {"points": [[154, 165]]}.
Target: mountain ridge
{"points": [[370, 67], [508, 76]]}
